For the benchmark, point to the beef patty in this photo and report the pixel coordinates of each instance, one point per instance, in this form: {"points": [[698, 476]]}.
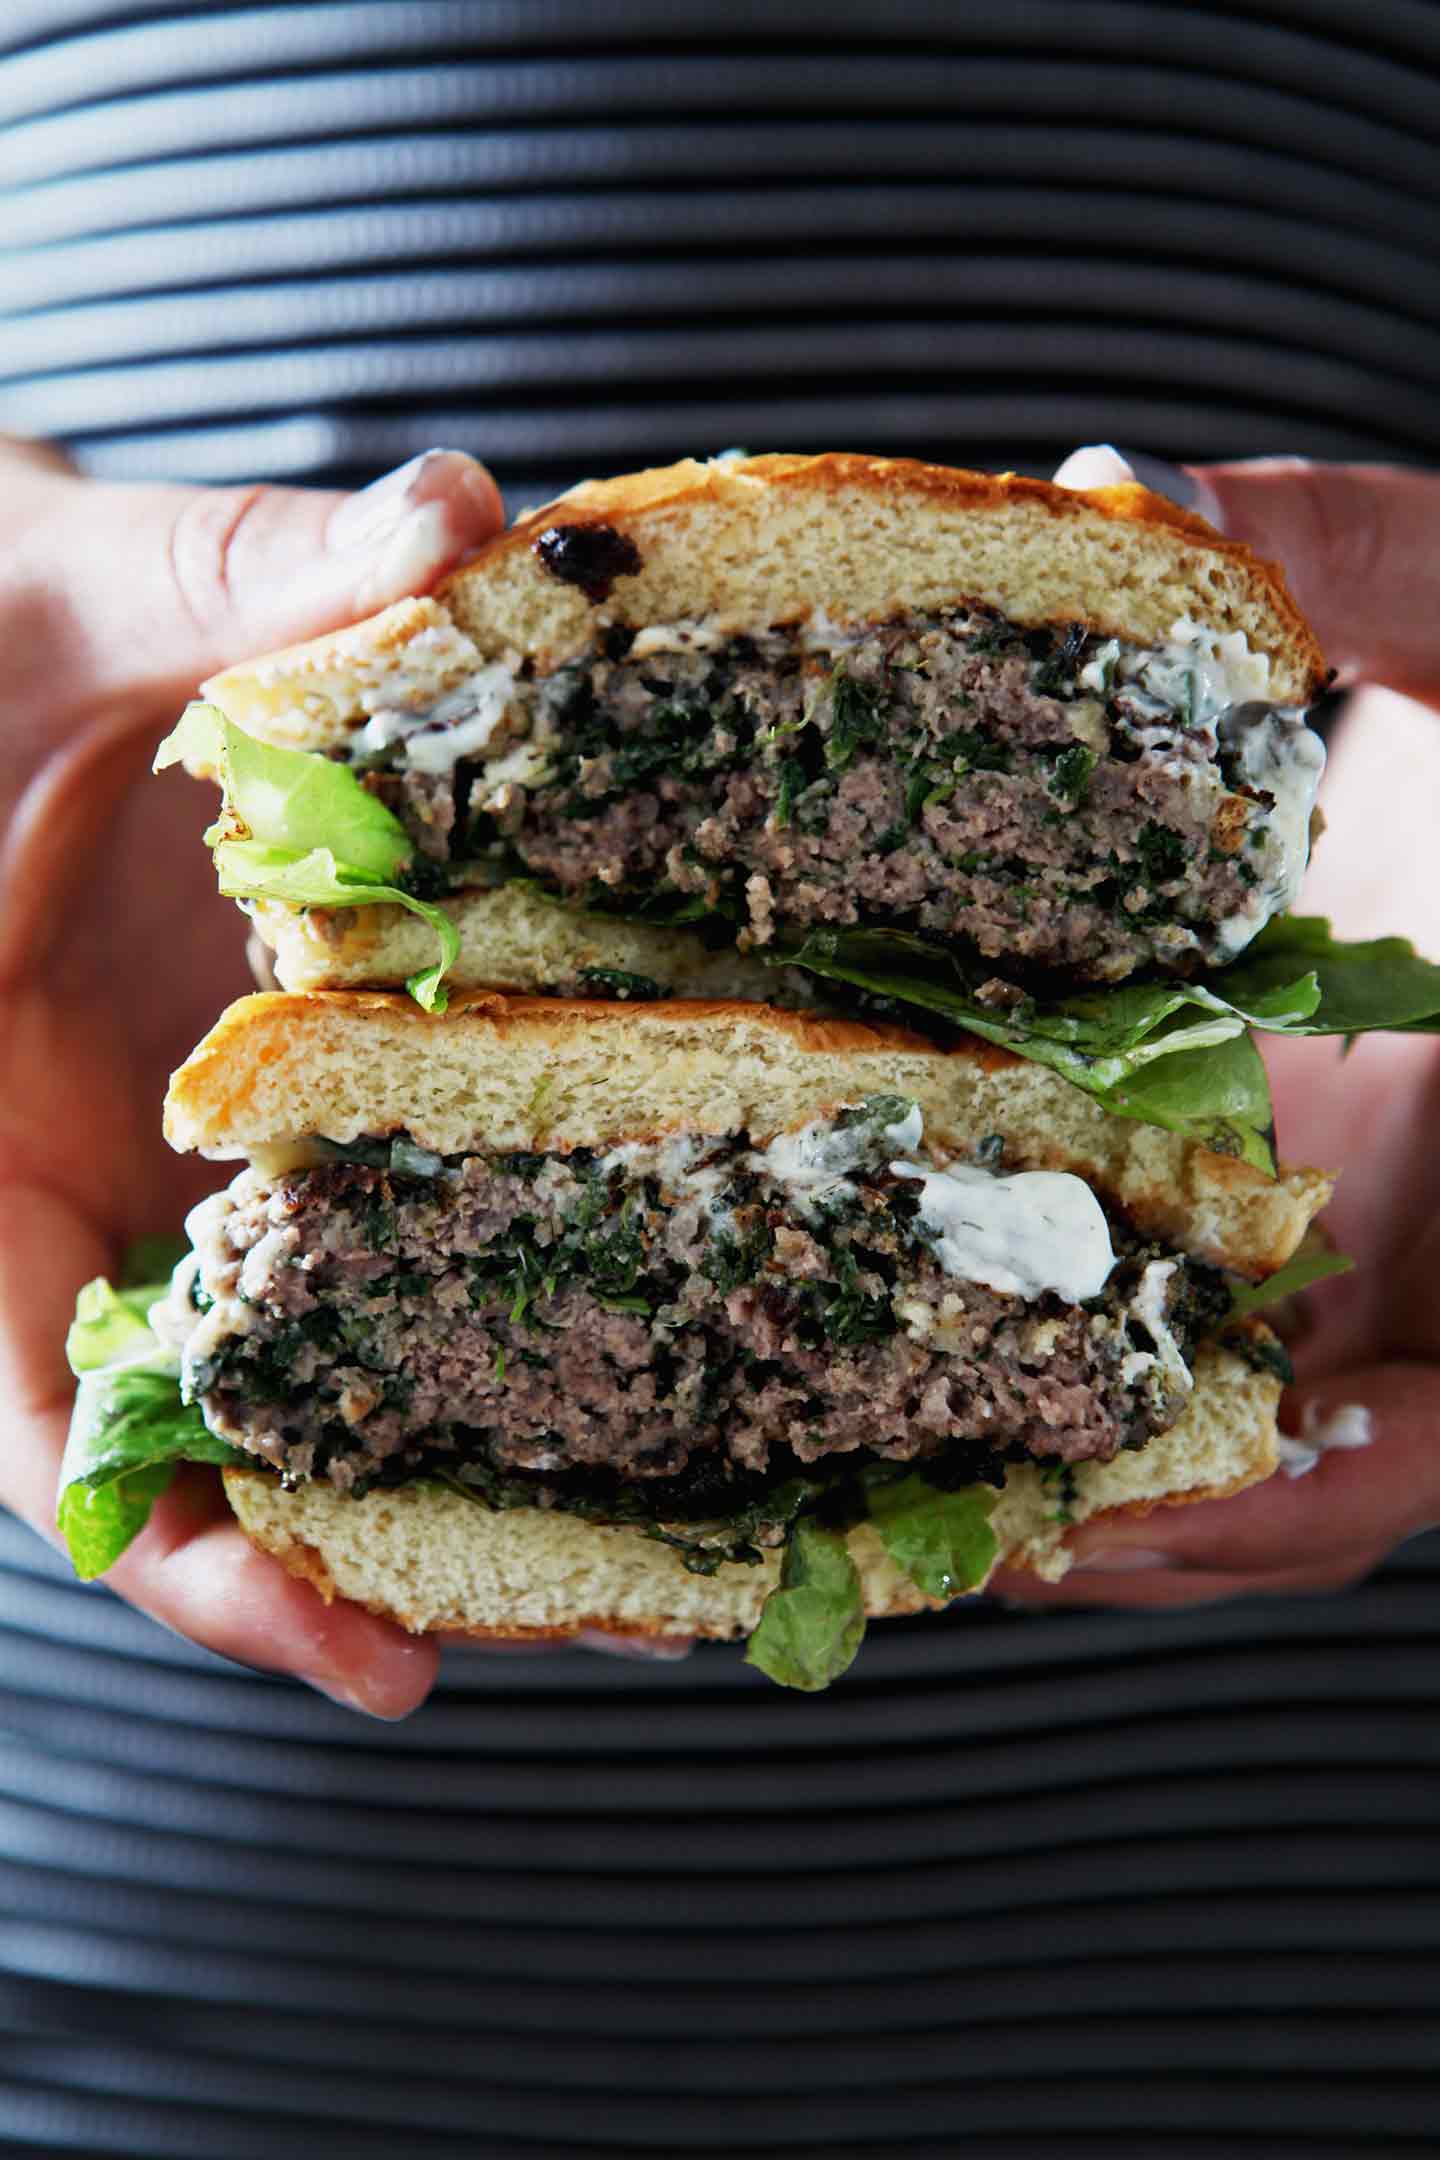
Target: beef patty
{"points": [[1043, 798], [659, 1312]]}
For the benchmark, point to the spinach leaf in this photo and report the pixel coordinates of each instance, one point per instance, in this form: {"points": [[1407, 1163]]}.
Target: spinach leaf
{"points": [[1373, 983], [1307, 1267], [620, 983], [813, 1621], [1070, 779], [942, 1540], [1168, 1054], [857, 718]]}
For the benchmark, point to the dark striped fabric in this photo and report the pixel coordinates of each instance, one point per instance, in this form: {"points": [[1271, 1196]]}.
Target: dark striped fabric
{"points": [[305, 239], [1141, 1889]]}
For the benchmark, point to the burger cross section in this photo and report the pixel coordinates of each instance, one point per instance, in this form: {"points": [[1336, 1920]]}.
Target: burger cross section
{"points": [[760, 1125]]}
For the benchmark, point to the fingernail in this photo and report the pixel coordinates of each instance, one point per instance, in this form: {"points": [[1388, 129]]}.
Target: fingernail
{"points": [[1122, 1560], [365, 519], [1094, 465], [412, 523], [411, 556], [1102, 465], [352, 1698]]}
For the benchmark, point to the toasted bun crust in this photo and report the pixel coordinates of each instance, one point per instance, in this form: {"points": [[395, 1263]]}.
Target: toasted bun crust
{"points": [[541, 1072], [511, 938], [748, 542], [433, 1560]]}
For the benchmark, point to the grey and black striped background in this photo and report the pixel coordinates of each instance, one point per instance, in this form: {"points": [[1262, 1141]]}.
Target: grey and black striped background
{"points": [[1146, 1890]]}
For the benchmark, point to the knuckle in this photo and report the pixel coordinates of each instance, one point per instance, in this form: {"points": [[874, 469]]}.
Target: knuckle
{"points": [[204, 535]]}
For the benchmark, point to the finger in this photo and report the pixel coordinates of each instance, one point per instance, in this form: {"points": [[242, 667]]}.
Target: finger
{"points": [[192, 1569], [137, 593], [664, 1649], [1357, 1500], [1172, 1589], [1360, 546]]}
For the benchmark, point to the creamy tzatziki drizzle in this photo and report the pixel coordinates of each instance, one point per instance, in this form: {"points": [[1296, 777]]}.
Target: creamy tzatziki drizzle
{"points": [[1039, 1230], [1022, 1234], [1347, 1426], [1043, 795], [1202, 692]]}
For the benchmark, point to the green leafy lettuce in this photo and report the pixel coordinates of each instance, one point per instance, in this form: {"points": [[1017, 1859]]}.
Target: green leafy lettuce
{"points": [[300, 829], [1311, 1264], [942, 1540], [813, 1621], [1174, 1054], [129, 1429]]}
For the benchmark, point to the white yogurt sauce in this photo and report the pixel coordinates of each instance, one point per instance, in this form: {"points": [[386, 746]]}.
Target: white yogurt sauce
{"points": [[673, 1162], [1035, 1231], [816, 1159], [1277, 752], [1039, 1230], [1199, 673], [1199, 693], [1148, 1306], [1347, 1426], [462, 723]]}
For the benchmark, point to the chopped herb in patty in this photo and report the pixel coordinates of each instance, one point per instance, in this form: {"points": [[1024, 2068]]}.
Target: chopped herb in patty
{"points": [[1041, 796], [679, 1327]]}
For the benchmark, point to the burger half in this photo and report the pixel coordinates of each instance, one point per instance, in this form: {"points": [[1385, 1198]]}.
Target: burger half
{"points": [[541, 1316], [1058, 735]]}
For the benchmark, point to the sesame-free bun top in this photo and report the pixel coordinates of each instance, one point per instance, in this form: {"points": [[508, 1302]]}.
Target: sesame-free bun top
{"points": [[742, 543], [540, 1073]]}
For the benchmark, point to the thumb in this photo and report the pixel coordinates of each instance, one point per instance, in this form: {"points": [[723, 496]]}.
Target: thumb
{"points": [[131, 595], [1360, 546]]}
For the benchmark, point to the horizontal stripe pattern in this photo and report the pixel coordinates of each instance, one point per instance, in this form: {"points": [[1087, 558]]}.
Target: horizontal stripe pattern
{"points": [[1241, 253], [1160, 1888]]}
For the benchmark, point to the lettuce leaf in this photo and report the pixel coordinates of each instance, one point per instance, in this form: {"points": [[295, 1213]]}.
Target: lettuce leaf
{"points": [[814, 1619], [300, 829], [129, 1428], [1174, 1054], [1169, 1054], [1373, 983], [942, 1540], [1308, 1266], [110, 1326]]}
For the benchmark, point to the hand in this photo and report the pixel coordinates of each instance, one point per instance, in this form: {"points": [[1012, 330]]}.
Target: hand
{"points": [[116, 953], [1361, 547]]}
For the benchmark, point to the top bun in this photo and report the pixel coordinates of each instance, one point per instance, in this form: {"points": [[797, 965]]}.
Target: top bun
{"points": [[747, 542]]}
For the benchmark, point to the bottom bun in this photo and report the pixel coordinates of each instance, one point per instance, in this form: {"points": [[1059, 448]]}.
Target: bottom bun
{"points": [[513, 938], [429, 1558]]}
